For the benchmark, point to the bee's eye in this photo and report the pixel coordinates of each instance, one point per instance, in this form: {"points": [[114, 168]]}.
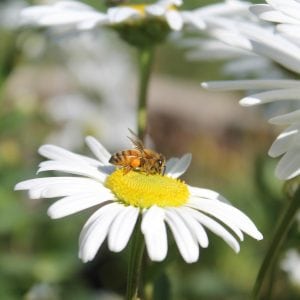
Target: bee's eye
{"points": [[160, 162]]}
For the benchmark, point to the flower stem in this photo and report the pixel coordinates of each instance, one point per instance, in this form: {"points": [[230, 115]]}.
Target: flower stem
{"points": [[135, 263], [274, 249], [145, 62]]}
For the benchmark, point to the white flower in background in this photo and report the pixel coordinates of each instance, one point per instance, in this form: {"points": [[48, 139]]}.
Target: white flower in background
{"points": [[284, 12], [254, 44], [222, 41], [288, 142], [159, 200], [82, 16], [291, 265]]}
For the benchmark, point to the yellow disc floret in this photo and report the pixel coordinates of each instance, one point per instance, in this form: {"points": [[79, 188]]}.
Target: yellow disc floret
{"points": [[141, 8], [142, 190]]}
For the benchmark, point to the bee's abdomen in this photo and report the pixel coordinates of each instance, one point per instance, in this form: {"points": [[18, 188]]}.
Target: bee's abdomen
{"points": [[121, 158], [116, 158]]}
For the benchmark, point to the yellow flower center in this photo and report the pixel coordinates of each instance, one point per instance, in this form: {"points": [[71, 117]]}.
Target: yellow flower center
{"points": [[142, 190], [141, 8]]}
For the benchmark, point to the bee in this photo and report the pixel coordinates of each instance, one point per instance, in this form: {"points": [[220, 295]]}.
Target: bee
{"points": [[139, 158]]}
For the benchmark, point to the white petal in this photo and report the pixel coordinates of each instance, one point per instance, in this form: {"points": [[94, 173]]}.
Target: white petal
{"points": [[280, 50], [171, 163], [289, 118], [74, 5], [121, 14], [267, 13], [75, 203], [290, 30], [92, 22], [284, 141], [181, 166], [206, 193], [195, 227], [98, 150], [288, 7], [174, 19], [61, 154], [229, 215], [72, 168], [156, 10], [218, 214], [270, 96], [289, 165], [260, 84], [50, 187], [96, 229], [216, 228], [194, 19], [154, 230], [121, 228], [185, 241], [67, 17]]}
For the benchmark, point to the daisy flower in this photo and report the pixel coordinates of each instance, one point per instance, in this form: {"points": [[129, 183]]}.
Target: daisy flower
{"points": [[83, 16], [261, 40], [140, 25], [159, 200]]}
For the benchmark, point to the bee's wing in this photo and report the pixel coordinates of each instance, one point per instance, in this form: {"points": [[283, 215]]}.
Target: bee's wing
{"points": [[138, 144]]}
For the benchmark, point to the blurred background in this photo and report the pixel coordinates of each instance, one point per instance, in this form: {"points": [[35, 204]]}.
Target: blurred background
{"points": [[57, 87]]}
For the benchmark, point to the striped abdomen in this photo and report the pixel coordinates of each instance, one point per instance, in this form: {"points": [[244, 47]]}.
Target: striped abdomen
{"points": [[126, 158]]}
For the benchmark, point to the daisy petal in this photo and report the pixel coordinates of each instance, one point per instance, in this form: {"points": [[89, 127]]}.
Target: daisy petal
{"points": [[98, 150], [50, 187], [284, 141], [121, 228], [270, 96], [171, 163], [185, 241], [181, 166], [121, 14], [72, 168], [290, 118], [154, 230], [216, 228], [174, 19], [289, 165], [195, 227], [96, 229], [229, 215], [231, 85], [73, 204], [206, 193]]}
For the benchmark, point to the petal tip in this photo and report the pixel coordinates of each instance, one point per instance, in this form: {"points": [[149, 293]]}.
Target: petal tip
{"points": [[249, 101]]}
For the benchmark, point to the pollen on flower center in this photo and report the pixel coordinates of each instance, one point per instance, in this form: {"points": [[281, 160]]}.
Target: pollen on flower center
{"points": [[142, 190], [138, 7]]}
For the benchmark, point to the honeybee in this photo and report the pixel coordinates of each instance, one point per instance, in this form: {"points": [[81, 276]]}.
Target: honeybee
{"points": [[139, 158]]}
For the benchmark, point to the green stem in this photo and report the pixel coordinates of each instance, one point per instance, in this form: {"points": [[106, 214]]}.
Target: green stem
{"points": [[276, 244], [135, 263], [145, 61]]}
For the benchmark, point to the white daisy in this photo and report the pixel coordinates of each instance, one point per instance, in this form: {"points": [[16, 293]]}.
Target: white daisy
{"points": [[254, 44], [287, 144], [159, 200], [83, 16]]}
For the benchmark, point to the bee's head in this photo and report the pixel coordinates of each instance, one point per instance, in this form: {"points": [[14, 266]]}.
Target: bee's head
{"points": [[161, 164]]}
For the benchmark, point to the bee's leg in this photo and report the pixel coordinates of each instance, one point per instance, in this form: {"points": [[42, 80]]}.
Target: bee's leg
{"points": [[127, 169]]}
